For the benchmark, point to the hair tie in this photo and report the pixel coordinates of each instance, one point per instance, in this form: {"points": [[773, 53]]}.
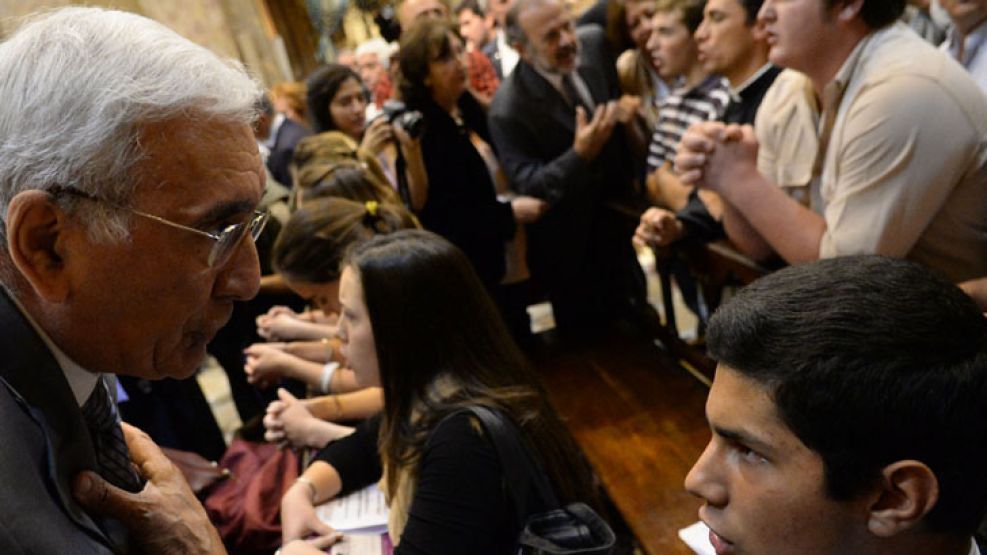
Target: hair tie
{"points": [[371, 206]]}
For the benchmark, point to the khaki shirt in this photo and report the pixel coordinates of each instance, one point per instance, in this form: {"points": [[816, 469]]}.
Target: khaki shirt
{"points": [[905, 170]]}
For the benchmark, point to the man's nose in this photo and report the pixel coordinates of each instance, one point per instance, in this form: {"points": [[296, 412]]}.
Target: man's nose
{"points": [[239, 278]]}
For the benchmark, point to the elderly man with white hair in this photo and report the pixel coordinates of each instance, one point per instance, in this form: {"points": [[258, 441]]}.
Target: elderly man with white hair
{"points": [[373, 58], [129, 181]]}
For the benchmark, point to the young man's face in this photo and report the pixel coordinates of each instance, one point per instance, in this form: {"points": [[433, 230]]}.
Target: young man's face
{"points": [[798, 31], [966, 14], [473, 28], [673, 50], [764, 490], [726, 42]]}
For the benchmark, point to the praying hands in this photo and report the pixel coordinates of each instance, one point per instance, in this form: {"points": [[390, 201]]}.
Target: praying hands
{"points": [[712, 154]]}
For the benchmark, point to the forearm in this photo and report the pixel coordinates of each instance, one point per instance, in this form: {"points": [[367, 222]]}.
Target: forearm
{"points": [[791, 230], [322, 351], [742, 234], [417, 177], [345, 381], [304, 371], [356, 405], [312, 330], [666, 190]]}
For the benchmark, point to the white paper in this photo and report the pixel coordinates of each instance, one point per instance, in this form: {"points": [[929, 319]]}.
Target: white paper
{"points": [[363, 511], [696, 537], [359, 544]]}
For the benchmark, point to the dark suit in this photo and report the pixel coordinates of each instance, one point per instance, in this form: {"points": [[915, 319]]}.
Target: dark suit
{"points": [[287, 136], [45, 444], [580, 250]]}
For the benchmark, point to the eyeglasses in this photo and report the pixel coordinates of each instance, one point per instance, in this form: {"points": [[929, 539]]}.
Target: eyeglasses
{"points": [[225, 240]]}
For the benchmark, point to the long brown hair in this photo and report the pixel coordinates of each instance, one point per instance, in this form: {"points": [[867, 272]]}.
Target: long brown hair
{"points": [[432, 318], [315, 239]]}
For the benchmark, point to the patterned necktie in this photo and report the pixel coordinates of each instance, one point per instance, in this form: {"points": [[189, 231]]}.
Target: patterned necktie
{"points": [[112, 456]]}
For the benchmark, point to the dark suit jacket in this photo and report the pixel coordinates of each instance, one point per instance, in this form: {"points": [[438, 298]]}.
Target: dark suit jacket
{"points": [[289, 133], [45, 443], [579, 247]]}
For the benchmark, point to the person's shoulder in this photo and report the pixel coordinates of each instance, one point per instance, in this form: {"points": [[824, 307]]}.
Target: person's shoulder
{"points": [[457, 428], [510, 96], [895, 55], [591, 32]]}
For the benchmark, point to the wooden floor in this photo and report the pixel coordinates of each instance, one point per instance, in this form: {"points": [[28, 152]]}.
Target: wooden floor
{"points": [[639, 419]]}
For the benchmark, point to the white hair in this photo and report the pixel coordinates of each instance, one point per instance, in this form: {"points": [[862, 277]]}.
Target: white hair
{"points": [[380, 47], [77, 85]]}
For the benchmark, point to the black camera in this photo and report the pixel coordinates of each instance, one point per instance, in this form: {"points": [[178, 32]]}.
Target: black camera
{"points": [[412, 121]]}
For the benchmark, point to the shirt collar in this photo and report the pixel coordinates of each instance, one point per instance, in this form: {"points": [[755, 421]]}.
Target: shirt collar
{"points": [[81, 381], [736, 94], [555, 79], [272, 137], [974, 548]]}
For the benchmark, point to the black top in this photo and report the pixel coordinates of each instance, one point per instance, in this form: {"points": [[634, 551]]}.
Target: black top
{"points": [[460, 504], [355, 457], [462, 205]]}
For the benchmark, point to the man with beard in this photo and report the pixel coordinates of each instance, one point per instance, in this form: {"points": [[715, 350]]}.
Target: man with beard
{"points": [[560, 135]]}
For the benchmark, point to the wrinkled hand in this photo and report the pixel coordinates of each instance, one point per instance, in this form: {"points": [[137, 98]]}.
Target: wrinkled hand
{"points": [[311, 546], [377, 135], [593, 134], [164, 517], [298, 518], [528, 209], [658, 227]]}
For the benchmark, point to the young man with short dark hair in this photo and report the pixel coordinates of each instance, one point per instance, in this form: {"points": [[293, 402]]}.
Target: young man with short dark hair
{"points": [[885, 137], [847, 414]]}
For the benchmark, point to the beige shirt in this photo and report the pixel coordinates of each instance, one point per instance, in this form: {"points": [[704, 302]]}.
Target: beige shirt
{"points": [[905, 171]]}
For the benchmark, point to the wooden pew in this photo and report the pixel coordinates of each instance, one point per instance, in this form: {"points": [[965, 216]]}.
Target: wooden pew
{"points": [[640, 421], [715, 267]]}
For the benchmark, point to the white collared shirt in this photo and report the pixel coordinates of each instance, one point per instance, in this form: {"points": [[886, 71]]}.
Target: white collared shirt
{"points": [[81, 381], [974, 549], [555, 79], [508, 56]]}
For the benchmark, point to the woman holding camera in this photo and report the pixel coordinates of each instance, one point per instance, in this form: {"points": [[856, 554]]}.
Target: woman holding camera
{"points": [[460, 202], [414, 292], [337, 101]]}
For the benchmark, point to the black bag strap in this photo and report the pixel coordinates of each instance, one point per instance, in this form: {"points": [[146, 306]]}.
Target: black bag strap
{"points": [[522, 473]]}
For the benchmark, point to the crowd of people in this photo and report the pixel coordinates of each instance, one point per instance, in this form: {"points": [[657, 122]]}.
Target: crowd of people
{"points": [[413, 201]]}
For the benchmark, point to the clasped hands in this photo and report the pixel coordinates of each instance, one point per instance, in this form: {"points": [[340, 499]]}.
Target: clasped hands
{"points": [[712, 153]]}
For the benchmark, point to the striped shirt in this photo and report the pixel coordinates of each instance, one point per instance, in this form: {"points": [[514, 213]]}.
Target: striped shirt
{"points": [[704, 102]]}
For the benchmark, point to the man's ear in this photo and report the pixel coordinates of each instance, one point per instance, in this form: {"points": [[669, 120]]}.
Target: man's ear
{"points": [[908, 491], [36, 243], [759, 30], [849, 9]]}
